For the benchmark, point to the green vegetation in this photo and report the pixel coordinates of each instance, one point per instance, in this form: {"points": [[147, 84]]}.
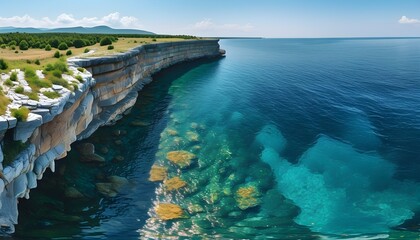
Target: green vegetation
{"points": [[19, 89], [3, 46], [69, 52], [12, 148], [86, 50], [33, 96], [51, 94], [34, 82], [105, 41], [4, 101], [13, 76], [21, 114], [23, 45], [37, 62], [110, 47], [8, 82], [63, 46], [57, 54], [48, 47], [80, 69], [3, 64], [79, 78]]}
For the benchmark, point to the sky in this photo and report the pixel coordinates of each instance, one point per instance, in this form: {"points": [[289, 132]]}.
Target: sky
{"points": [[225, 18]]}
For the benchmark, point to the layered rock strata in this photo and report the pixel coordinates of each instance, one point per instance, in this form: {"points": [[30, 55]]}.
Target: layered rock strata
{"points": [[109, 89]]}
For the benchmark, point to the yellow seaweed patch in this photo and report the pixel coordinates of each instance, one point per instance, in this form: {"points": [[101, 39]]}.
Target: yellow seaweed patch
{"points": [[169, 211], [174, 183], [157, 173], [180, 158], [247, 197]]}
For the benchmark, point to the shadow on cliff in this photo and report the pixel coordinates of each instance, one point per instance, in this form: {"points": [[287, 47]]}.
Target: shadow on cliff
{"points": [[49, 213]]}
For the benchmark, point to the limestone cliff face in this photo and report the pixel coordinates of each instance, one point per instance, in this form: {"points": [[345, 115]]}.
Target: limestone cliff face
{"points": [[110, 89]]}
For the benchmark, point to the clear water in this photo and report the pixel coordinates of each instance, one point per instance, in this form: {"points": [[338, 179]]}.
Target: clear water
{"points": [[326, 131]]}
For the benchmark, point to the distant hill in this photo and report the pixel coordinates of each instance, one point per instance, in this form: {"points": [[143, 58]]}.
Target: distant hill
{"points": [[97, 29]]}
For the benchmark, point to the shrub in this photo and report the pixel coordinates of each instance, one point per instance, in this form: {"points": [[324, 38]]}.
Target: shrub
{"points": [[110, 47], [86, 50], [4, 101], [59, 81], [8, 82], [23, 45], [19, 89], [54, 43], [78, 43], [28, 61], [33, 96], [3, 64], [13, 48], [16, 51], [80, 69], [48, 47], [79, 78], [63, 46], [105, 41], [57, 73], [12, 43], [3, 46], [69, 52], [60, 65], [154, 39], [13, 76], [51, 94], [42, 46], [20, 114], [37, 62], [57, 54], [34, 81]]}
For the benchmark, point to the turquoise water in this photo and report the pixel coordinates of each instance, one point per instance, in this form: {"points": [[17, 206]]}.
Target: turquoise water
{"points": [[293, 139]]}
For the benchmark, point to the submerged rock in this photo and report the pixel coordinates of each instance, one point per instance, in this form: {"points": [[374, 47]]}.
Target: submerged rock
{"points": [[72, 192], [172, 132], [112, 188], [193, 136], [118, 158], [169, 211], [86, 149], [174, 183], [92, 158], [247, 196], [157, 173], [139, 123], [194, 125], [180, 158]]}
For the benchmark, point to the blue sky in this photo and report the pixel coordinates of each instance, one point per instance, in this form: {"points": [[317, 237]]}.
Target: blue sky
{"points": [[265, 18]]}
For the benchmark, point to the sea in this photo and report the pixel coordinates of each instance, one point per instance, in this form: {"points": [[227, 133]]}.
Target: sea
{"points": [[287, 139]]}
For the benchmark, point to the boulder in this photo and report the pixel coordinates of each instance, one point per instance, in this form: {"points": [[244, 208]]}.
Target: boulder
{"points": [[158, 173], [247, 196], [174, 183], [169, 211], [180, 158], [72, 192]]}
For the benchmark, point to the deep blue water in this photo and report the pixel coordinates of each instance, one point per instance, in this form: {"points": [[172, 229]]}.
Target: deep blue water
{"points": [[326, 131]]}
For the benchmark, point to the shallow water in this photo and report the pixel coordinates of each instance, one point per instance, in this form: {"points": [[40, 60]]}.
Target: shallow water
{"points": [[293, 138]]}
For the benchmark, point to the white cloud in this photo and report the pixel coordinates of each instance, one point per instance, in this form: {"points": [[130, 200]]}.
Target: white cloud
{"points": [[68, 20], [209, 25], [406, 20]]}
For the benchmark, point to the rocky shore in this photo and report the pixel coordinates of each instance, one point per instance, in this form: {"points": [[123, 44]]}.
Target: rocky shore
{"points": [[109, 89]]}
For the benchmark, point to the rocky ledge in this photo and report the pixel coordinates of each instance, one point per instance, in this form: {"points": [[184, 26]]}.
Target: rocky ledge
{"points": [[109, 89]]}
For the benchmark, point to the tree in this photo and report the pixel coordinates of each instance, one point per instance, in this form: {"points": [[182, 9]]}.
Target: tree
{"points": [[54, 43], [105, 41], [23, 45], [3, 65], [63, 46], [57, 54], [48, 47], [69, 52], [78, 43]]}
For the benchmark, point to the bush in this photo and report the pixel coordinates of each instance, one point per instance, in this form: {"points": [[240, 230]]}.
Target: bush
{"points": [[69, 52], [57, 73], [3, 46], [4, 101], [37, 62], [13, 48], [110, 47], [12, 43], [57, 54], [63, 46], [86, 50], [79, 78], [19, 89], [23, 45], [8, 82], [3, 64], [43, 46], [51, 94], [54, 43], [28, 61], [16, 51], [34, 81], [48, 47], [80, 69], [59, 81], [78, 43], [105, 41], [33, 96], [154, 39], [61, 65], [20, 114], [13, 76]]}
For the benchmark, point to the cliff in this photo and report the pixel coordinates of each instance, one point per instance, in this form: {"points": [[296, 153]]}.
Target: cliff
{"points": [[108, 90]]}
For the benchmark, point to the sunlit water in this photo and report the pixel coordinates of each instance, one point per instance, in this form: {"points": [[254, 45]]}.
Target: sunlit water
{"points": [[293, 139]]}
